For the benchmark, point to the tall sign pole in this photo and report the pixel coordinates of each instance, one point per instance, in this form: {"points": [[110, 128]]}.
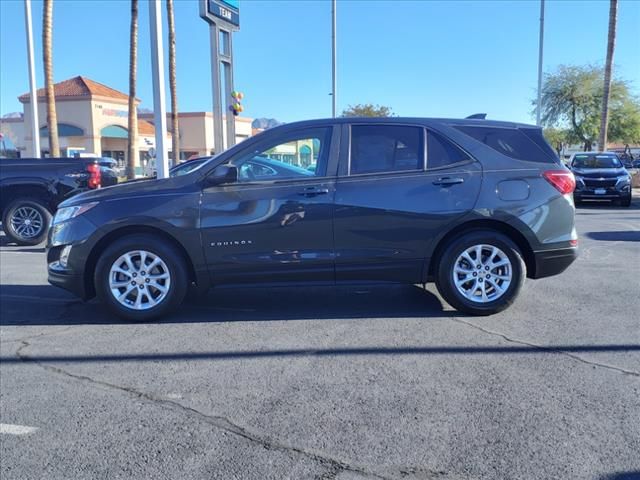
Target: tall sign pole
{"points": [[35, 131], [223, 17], [159, 97], [540, 50], [333, 58]]}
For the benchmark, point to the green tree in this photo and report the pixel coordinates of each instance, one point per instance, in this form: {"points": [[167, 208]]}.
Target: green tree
{"points": [[572, 100], [132, 151], [173, 89], [47, 58], [608, 69], [367, 110], [556, 137]]}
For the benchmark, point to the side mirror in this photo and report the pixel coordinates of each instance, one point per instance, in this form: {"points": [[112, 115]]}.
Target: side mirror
{"points": [[221, 175]]}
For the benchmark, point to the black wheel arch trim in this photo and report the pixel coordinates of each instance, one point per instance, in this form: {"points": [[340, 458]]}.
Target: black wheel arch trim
{"points": [[193, 257]]}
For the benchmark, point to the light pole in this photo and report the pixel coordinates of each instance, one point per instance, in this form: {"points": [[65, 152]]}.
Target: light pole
{"points": [[333, 58], [159, 98], [540, 49], [35, 131]]}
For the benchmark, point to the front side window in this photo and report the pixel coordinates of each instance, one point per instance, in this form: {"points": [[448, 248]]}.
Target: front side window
{"points": [[386, 148], [298, 155]]}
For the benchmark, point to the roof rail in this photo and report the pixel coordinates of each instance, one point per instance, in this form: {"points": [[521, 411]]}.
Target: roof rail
{"points": [[478, 116]]}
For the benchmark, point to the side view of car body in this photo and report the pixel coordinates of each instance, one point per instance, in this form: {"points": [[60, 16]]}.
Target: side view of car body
{"points": [[474, 205], [600, 176]]}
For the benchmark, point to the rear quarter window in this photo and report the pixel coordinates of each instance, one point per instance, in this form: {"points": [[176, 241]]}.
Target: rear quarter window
{"points": [[441, 152], [519, 143]]}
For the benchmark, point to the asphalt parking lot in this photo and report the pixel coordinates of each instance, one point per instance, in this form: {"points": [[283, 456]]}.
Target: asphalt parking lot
{"points": [[331, 383]]}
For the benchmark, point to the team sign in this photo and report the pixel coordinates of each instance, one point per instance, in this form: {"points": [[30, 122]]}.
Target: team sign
{"points": [[227, 10]]}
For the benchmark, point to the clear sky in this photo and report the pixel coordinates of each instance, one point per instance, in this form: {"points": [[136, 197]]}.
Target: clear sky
{"points": [[422, 58]]}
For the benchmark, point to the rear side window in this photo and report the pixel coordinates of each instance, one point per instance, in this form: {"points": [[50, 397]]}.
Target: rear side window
{"points": [[441, 152], [386, 148], [522, 144]]}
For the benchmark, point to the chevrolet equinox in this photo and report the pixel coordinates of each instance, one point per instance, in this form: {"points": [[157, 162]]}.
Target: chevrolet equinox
{"points": [[472, 204]]}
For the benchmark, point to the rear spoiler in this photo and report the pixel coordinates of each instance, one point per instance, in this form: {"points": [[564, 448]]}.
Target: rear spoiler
{"points": [[477, 116]]}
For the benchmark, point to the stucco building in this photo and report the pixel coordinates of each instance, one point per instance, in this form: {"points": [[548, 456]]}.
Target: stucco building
{"points": [[92, 121]]}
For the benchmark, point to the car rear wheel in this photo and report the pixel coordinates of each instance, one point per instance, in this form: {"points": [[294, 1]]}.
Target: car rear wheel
{"points": [[481, 273], [141, 278], [26, 221]]}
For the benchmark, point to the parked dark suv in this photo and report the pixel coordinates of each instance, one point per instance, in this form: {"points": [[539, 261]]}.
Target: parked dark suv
{"points": [[600, 176], [474, 205]]}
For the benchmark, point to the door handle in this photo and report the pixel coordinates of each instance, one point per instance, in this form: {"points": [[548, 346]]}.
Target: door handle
{"points": [[448, 181], [313, 191]]}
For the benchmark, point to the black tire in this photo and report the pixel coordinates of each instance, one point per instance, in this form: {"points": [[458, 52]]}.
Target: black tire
{"points": [[447, 261], [173, 260], [20, 211], [626, 201]]}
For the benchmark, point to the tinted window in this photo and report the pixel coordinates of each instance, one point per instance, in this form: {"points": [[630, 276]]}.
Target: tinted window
{"points": [[536, 135], [385, 148], [511, 142], [441, 152], [596, 161], [289, 158]]}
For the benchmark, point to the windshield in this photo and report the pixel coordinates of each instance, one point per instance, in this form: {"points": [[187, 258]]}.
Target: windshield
{"points": [[596, 161]]}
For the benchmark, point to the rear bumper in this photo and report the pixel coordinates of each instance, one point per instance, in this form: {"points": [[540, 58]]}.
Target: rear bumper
{"points": [[554, 262]]}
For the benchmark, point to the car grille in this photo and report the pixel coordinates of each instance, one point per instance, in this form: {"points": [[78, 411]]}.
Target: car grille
{"points": [[597, 183]]}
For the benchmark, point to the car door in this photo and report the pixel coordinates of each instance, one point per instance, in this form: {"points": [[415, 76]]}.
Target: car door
{"points": [[398, 186], [276, 223]]}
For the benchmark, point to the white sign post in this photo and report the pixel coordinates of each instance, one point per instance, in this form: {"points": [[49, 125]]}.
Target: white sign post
{"points": [[35, 130], [159, 98]]}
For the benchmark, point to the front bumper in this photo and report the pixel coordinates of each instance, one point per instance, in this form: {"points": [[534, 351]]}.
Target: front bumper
{"points": [[67, 280], [71, 277], [602, 192], [554, 262]]}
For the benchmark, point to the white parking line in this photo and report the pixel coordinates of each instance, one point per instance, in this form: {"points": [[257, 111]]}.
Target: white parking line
{"points": [[7, 428]]}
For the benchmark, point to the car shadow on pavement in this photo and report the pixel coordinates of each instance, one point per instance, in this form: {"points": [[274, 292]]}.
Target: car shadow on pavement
{"points": [[46, 305], [622, 476], [621, 236]]}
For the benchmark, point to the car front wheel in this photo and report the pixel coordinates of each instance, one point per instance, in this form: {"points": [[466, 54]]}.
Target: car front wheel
{"points": [[141, 278], [626, 201], [481, 273]]}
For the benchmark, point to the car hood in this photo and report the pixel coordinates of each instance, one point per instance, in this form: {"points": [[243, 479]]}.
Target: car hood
{"points": [[122, 190], [599, 172]]}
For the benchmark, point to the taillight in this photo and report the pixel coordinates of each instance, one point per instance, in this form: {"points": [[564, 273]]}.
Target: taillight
{"points": [[562, 180], [94, 175]]}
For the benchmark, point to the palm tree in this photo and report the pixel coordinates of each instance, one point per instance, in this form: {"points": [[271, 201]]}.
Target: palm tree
{"points": [[175, 128], [47, 57], [133, 114], [611, 43]]}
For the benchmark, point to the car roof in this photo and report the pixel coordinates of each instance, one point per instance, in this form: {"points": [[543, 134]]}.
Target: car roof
{"points": [[403, 120], [595, 153]]}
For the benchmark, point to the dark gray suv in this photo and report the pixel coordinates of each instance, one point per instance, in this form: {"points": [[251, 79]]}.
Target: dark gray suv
{"points": [[474, 205]]}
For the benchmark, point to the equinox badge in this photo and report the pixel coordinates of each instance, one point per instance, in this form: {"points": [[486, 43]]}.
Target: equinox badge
{"points": [[230, 243]]}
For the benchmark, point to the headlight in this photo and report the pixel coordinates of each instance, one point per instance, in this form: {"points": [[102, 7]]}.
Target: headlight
{"points": [[66, 213], [624, 178]]}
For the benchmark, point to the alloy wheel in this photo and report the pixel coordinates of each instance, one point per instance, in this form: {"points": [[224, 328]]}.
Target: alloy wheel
{"points": [[482, 273], [139, 280], [27, 222]]}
